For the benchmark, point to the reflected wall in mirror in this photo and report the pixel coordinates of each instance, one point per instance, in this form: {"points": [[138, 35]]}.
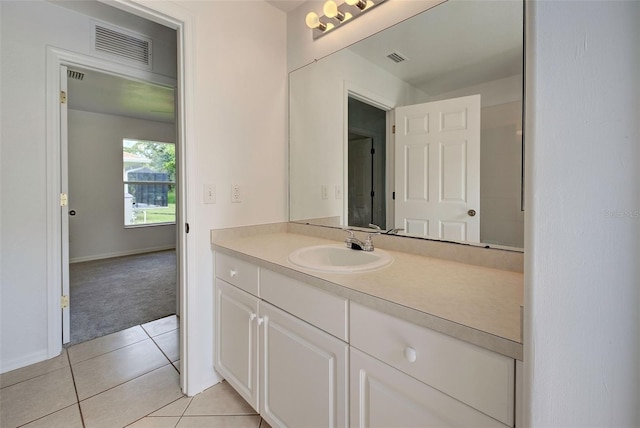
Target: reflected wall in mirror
{"points": [[450, 81]]}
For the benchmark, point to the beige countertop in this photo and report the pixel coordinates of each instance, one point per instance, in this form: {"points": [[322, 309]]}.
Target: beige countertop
{"points": [[477, 304]]}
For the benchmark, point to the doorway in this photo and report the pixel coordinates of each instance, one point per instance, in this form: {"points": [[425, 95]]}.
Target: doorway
{"points": [[366, 183], [192, 340], [122, 259]]}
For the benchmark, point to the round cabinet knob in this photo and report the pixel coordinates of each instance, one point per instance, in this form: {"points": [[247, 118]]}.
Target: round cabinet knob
{"points": [[252, 316], [260, 320], [233, 272], [410, 354], [472, 213]]}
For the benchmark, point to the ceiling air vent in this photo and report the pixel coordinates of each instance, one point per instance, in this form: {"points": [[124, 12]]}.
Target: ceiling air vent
{"points": [[75, 75], [396, 57], [122, 45]]}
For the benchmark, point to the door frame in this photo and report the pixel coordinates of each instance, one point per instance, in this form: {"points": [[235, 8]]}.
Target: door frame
{"points": [[177, 18], [361, 94]]}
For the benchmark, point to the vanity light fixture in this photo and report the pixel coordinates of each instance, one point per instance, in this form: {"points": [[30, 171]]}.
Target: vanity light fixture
{"points": [[337, 15]]}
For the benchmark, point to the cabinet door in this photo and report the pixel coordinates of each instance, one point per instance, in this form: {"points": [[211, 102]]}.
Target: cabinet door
{"points": [[382, 396], [236, 352], [303, 373]]}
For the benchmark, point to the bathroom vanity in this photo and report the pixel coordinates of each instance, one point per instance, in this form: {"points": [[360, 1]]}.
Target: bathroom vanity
{"points": [[419, 342]]}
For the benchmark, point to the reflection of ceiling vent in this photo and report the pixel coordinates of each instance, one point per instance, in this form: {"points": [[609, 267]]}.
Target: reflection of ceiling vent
{"points": [[396, 57], [122, 45], [75, 75]]}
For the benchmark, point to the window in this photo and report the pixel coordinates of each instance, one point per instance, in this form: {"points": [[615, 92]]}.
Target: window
{"points": [[149, 170]]}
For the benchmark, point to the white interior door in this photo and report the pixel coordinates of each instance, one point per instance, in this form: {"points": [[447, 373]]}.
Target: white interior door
{"points": [[437, 169], [64, 217]]}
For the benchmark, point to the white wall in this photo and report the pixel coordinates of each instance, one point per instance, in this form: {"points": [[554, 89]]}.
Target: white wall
{"points": [[95, 187], [239, 131], [239, 137], [317, 106], [582, 341], [26, 29]]}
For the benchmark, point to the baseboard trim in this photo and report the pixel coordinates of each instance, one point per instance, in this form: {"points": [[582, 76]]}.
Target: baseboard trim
{"points": [[23, 361], [121, 254]]}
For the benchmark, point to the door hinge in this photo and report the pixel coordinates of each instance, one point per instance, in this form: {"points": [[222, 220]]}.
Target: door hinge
{"points": [[186, 228], [64, 199], [64, 301], [393, 129], [63, 97]]}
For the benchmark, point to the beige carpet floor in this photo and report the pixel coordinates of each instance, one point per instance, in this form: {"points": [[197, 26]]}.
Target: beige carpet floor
{"points": [[110, 295]]}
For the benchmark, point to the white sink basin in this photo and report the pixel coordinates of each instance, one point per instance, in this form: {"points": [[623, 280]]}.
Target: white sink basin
{"points": [[339, 258]]}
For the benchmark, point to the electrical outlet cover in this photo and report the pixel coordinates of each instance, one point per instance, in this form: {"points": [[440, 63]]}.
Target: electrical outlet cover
{"points": [[236, 196]]}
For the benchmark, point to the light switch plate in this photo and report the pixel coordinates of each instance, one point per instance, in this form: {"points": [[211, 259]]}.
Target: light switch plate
{"points": [[324, 192], [209, 194]]}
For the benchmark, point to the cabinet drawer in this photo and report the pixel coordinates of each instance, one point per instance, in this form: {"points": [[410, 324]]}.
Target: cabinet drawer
{"points": [[324, 310], [478, 377], [382, 396], [238, 272]]}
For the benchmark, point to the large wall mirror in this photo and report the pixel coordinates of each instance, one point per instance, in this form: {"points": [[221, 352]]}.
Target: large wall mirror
{"points": [[418, 128]]}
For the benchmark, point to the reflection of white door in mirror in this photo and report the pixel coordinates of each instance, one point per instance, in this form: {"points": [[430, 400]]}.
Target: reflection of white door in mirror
{"points": [[438, 169]]}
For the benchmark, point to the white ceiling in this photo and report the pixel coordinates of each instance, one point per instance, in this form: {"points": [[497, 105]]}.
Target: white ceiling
{"points": [[457, 44], [286, 5], [115, 95]]}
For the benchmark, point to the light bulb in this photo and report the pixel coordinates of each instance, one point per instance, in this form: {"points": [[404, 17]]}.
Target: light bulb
{"points": [[312, 20], [330, 9]]}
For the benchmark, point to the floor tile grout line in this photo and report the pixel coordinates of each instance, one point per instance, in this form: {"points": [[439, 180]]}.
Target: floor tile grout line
{"points": [[127, 381], [36, 376], [48, 414], [149, 415], [164, 353], [75, 387], [185, 411], [110, 351]]}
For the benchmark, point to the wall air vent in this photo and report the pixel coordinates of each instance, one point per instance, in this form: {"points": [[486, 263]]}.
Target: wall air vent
{"points": [[396, 57], [75, 75], [122, 45]]}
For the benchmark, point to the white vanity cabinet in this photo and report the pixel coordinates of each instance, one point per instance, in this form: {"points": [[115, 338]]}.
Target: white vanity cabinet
{"points": [[287, 367], [303, 372], [305, 357], [418, 377], [236, 352]]}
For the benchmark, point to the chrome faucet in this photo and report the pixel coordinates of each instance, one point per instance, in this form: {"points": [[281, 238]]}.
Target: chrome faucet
{"points": [[353, 242]]}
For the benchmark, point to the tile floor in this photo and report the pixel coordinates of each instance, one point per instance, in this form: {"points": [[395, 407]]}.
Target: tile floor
{"points": [[125, 379]]}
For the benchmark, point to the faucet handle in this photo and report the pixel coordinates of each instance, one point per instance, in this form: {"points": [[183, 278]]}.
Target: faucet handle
{"points": [[376, 227], [368, 243], [350, 232]]}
